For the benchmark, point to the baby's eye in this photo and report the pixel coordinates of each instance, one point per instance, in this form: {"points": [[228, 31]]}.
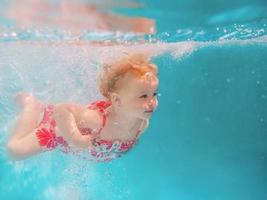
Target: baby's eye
{"points": [[155, 94], [143, 96]]}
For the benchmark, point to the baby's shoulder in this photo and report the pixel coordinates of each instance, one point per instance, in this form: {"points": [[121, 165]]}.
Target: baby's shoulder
{"points": [[84, 116], [89, 117]]}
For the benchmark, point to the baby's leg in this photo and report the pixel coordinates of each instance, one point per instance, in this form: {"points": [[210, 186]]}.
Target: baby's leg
{"points": [[23, 141]]}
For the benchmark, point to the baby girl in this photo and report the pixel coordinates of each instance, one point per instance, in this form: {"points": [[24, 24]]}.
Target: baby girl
{"points": [[104, 129]]}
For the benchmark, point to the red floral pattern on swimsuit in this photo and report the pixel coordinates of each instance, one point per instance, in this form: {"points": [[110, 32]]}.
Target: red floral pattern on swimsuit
{"points": [[101, 150], [46, 132], [106, 150]]}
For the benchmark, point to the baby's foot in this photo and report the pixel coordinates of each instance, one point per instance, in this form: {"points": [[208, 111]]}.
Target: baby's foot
{"points": [[27, 100]]}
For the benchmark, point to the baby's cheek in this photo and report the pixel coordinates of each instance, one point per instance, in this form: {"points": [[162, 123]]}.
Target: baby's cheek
{"points": [[134, 105], [140, 106]]}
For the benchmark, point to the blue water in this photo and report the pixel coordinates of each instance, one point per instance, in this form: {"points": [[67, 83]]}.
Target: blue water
{"points": [[206, 141]]}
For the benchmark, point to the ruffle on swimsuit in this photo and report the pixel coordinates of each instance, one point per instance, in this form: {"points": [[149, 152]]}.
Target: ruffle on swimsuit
{"points": [[101, 150]]}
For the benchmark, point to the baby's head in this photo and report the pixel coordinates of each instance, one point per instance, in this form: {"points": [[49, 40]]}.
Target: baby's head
{"points": [[131, 85]]}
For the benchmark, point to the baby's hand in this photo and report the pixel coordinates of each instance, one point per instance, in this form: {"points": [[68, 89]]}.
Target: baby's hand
{"points": [[89, 118], [89, 122]]}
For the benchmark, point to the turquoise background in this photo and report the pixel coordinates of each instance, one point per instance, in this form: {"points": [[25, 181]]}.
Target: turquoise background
{"points": [[206, 141]]}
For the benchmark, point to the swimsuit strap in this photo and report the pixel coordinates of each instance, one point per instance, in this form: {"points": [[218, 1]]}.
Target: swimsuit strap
{"points": [[101, 106]]}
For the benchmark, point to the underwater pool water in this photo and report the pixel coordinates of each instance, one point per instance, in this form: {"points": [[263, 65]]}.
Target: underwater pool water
{"points": [[206, 141]]}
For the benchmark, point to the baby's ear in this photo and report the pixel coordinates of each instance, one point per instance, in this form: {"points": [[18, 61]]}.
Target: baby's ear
{"points": [[115, 99]]}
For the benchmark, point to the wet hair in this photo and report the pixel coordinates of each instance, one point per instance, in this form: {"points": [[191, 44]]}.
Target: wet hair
{"points": [[137, 65]]}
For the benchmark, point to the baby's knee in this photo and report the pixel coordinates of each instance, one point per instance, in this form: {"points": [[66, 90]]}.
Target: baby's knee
{"points": [[11, 147], [14, 150], [22, 148]]}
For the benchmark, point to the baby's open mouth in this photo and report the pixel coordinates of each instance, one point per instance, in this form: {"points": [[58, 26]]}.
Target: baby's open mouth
{"points": [[149, 111]]}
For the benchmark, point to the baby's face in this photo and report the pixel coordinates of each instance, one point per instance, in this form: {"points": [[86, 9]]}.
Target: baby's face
{"points": [[139, 96]]}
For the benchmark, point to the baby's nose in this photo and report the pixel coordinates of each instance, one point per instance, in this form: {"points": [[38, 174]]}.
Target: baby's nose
{"points": [[152, 104]]}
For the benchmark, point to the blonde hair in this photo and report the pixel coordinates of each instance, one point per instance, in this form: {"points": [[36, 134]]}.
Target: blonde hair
{"points": [[136, 65]]}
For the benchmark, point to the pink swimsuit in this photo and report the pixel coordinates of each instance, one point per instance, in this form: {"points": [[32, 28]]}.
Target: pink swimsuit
{"points": [[100, 151]]}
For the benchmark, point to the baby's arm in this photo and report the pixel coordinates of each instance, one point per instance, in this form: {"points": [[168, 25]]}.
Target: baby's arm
{"points": [[67, 116]]}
